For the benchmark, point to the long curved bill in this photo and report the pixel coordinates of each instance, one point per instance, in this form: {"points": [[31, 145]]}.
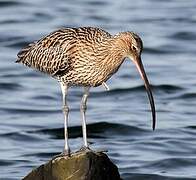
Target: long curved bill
{"points": [[140, 67]]}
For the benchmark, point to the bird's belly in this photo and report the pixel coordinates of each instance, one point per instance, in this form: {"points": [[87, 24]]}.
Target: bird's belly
{"points": [[85, 78]]}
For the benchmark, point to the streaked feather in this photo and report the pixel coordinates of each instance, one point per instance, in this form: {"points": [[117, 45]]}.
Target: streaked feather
{"points": [[77, 56]]}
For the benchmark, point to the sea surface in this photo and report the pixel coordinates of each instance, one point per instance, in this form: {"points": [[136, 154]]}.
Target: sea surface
{"points": [[119, 120]]}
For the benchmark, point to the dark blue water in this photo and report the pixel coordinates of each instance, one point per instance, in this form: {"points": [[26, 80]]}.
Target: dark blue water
{"points": [[31, 121]]}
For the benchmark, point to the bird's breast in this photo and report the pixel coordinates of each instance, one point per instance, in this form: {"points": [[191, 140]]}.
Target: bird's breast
{"points": [[92, 67]]}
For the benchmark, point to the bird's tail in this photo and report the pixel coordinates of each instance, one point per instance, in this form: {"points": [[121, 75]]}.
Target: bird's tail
{"points": [[23, 55]]}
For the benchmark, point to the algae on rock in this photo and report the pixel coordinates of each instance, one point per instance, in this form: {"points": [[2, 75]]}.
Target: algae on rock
{"points": [[83, 165]]}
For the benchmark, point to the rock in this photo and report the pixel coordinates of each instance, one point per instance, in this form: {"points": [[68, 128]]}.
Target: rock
{"points": [[83, 165]]}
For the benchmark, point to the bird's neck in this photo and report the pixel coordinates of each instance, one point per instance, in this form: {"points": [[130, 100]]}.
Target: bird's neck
{"points": [[110, 56], [112, 51]]}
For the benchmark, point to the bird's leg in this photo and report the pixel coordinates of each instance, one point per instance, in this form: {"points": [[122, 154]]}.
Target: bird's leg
{"points": [[64, 89], [106, 86], [83, 108]]}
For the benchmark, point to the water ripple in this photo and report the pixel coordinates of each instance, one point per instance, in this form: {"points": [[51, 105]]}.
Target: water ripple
{"points": [[164, 88], [187, 36], [31, 131], [8, 86], [7, 3], [95, 130]]}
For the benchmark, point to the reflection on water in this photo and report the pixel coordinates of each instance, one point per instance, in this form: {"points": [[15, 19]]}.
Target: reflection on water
{"points": [[31, 122]]}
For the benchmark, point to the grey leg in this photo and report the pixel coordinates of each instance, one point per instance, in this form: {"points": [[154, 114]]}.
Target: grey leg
{"points": [[64, 89], [83, 108]]}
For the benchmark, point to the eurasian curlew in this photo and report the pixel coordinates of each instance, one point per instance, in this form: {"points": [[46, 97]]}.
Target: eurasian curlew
{"points": [[87, 57]]}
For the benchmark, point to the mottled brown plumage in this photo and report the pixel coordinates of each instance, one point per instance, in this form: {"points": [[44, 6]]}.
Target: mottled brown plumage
{"points": [[84, 56], [78, 56]]}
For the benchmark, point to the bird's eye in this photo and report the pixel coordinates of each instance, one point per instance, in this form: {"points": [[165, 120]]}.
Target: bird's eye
{"points": [[134, 48]]}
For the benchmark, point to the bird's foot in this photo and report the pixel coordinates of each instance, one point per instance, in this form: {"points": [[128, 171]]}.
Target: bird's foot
{"points": [[87, 148], [102, 150], [106, 86], [65, 153], [84, 148]]}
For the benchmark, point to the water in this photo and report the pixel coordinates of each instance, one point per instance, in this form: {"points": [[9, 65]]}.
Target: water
{"points": [[31, 121]]}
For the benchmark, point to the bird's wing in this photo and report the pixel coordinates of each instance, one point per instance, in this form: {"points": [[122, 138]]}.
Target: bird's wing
{"points": [[54, 53], [50, 54]]}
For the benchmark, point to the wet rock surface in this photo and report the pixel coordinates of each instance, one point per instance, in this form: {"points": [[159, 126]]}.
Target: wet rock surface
{"points": [[83, 165]]}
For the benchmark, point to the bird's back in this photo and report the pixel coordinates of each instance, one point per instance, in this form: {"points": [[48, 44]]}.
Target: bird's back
{"points": [[55, 53]]}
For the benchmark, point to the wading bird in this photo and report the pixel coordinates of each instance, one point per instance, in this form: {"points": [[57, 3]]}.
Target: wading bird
{"points": [[86, 57]]}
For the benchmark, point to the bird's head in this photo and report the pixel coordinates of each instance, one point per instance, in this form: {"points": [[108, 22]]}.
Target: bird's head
{"points": [[132, 47]]}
